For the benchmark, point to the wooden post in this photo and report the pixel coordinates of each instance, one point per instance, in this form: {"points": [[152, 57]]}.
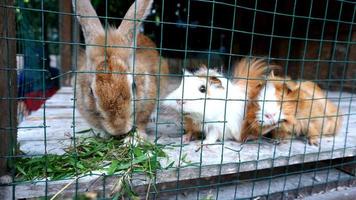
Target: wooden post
{"points": [[8, 84], [65, 35], [351, 66]]}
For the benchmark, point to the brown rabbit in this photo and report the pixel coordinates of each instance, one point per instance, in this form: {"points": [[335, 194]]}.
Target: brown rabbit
{"points": [[292, 107], [120, 91]]}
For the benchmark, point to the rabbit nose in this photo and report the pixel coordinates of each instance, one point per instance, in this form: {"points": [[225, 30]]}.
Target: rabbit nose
{"points": [[269, 116]]}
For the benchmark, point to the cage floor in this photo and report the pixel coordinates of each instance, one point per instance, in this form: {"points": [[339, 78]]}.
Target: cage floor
{"points": [[285, 187], [229, 157]]}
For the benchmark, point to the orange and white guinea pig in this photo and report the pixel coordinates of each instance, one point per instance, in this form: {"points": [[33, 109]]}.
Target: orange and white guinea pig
{"points": [[210, 97], [286, 107]]}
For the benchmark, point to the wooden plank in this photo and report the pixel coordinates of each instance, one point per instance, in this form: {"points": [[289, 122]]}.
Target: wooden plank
{"points": [[269, 188], [308, 181], [351, 67], [350, 166], [8, 83], [60, 121], [219, 159], [65, 35]]}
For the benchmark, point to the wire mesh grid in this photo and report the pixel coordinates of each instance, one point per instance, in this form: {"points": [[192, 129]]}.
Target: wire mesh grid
{"points": [[68, 144]]}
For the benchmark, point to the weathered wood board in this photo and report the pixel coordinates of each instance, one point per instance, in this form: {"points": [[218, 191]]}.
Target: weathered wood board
{"points": [[227, 158]]}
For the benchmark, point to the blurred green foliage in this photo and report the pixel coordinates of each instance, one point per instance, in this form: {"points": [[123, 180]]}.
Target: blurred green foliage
{"points": [[39, 19], [34, 24]]}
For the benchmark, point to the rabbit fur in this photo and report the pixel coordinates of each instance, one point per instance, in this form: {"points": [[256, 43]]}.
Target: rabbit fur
{"points": [[120, 90]]}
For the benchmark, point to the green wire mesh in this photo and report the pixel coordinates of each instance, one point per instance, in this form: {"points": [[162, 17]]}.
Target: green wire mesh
{"points": [[312, 40]]}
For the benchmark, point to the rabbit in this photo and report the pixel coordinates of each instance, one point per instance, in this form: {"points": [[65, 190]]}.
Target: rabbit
{"points": [[292, 107], [120, 91], [225, 99], [84, 94]]}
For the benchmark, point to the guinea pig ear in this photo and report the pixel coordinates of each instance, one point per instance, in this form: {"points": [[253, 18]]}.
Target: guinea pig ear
{"points": [[187, 73], [203, 67], [271, 75], [215, 82], [290, 86], [202, 71], [260, 83]]}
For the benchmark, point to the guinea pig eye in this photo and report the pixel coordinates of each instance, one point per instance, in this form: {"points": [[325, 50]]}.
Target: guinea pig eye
{"points": [[289, 91], [202, 89]]}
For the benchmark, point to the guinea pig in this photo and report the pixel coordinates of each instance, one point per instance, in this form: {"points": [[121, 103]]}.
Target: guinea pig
{"points": [[192, 129], [315, 114], [207, 96], [202, 95], [286, 107], [262, 97]]}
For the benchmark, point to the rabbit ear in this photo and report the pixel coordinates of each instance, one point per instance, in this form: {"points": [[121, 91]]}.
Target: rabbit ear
{"points": [[88, 19], [133, 19]]}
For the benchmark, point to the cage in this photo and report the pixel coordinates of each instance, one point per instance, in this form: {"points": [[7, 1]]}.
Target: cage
{"points": [[50, 149]]}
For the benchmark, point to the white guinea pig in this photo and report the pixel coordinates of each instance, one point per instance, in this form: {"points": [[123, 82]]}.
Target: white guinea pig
{"points": [[207, 96], [215, 109]]}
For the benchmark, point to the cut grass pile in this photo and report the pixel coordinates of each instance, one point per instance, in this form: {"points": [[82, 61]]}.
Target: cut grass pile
{"points": [[102, 156]]}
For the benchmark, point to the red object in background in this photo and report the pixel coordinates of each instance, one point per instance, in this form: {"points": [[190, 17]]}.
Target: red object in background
{"points": [[33, 104]]}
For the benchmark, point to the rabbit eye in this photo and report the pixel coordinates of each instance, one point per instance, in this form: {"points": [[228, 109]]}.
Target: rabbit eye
{"points": [[202, 89], [91, 91]]}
